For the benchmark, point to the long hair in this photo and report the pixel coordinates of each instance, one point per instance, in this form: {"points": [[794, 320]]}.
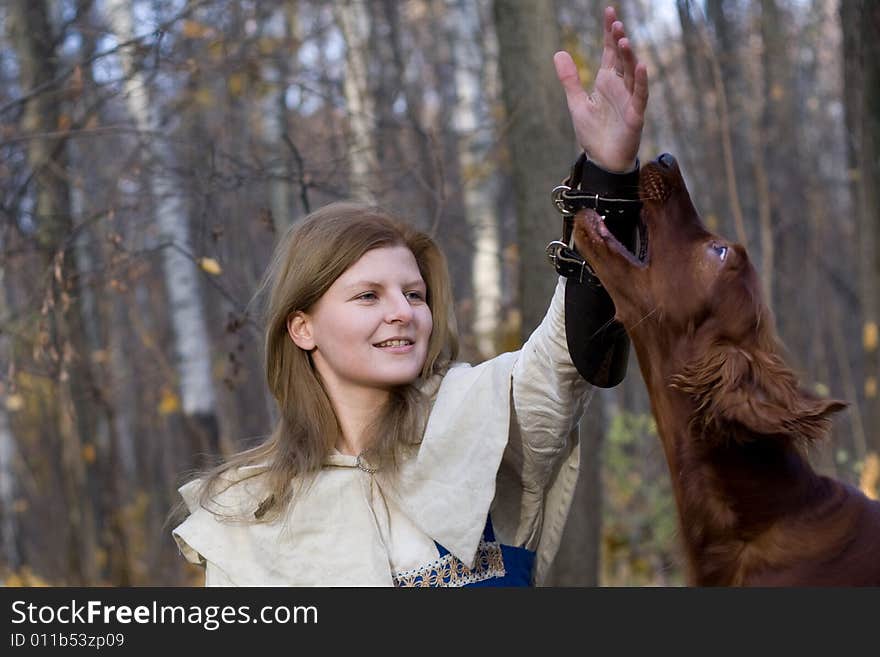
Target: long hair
{"points": [[311, 255]]}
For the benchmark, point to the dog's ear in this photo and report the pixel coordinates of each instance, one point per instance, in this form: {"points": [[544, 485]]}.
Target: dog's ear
{"points": [[755, 391]]}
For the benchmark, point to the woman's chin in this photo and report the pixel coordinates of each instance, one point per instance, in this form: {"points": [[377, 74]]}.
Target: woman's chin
{"points": [[400, 376]]}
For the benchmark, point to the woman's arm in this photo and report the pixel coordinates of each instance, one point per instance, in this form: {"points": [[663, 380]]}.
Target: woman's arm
{"points": [[548, 392], [608, 124], [549, 396]]}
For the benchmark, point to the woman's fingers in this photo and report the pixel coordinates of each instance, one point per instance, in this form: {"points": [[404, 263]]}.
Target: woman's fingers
{"points": [[567, 72], [628, 59], [618, 33], [640, 90], [609, 53]]}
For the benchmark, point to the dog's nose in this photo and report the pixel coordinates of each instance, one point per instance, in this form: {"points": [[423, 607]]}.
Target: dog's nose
{"points": [[666, 161]]}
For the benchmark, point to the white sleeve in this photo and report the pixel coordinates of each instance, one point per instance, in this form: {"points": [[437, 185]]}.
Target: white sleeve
{"points": [[549, 397]]}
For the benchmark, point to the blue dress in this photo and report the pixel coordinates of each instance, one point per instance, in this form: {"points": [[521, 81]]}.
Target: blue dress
{"points": [[496, 565]]}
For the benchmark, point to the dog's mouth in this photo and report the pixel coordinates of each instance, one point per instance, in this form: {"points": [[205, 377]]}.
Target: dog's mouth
{"points": [[614, 233]]}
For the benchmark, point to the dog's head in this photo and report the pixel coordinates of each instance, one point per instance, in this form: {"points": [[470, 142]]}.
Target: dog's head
{"points": [[689, 275], [695, 305]]}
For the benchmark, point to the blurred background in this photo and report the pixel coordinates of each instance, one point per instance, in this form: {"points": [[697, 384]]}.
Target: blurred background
{"points": [[152, 151]]}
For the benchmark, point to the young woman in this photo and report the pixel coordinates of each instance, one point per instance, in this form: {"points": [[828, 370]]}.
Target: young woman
{"points": [[392, 464]]}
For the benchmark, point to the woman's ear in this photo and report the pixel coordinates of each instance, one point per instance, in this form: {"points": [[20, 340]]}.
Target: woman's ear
{"points": [[299, 328]]}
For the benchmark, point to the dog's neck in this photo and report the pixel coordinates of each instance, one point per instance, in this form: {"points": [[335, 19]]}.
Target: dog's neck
{"points": [[726, 494]]}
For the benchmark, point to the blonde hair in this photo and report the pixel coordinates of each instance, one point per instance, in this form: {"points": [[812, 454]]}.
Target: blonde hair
{"points": [[311, 255]]}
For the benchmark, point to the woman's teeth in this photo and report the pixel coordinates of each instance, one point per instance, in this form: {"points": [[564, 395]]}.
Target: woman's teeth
{"points": [[394, 343]]}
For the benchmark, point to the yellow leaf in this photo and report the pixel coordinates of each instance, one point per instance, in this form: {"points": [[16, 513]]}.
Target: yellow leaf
{"points": [[169, 402], [195, 30], [821, 389], [711, 221], [14, 402], [870, 387], [89, 453], [211, 266], [217, 49], [235, 84], [267, 45], [869, 336], [777, 91], [203, 97], [25, 577]]}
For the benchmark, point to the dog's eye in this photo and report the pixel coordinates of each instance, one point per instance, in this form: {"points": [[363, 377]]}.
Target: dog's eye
{"points": [[721, 250]]}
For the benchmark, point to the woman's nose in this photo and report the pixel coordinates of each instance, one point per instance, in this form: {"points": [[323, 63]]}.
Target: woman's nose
{"points": [[400, 310]]}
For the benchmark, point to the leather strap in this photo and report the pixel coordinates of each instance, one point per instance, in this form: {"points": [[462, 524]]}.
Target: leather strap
{"points": [[597, 343]]}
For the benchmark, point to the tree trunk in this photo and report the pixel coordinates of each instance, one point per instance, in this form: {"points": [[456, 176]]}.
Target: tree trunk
{"points": [[354, 23], [540, 139], [68, 353], [788, 202], [744, 99], [9, 530], [871, 212], [861, 70], [192, 344], [470, 121], [278, 126], [577, 563], [710, 195]]}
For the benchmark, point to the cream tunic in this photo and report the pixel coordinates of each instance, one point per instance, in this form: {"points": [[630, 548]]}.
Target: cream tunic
{"points": [[478, 453]]}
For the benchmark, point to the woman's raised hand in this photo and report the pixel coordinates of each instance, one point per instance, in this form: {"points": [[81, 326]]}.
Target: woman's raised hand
{"points": [[608, 121]]}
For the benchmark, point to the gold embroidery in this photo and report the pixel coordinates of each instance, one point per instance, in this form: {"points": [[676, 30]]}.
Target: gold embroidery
{"points": [[451, 571]]}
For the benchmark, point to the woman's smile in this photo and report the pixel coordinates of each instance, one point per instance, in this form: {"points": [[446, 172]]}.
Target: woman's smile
{"points": [[397, 346]]}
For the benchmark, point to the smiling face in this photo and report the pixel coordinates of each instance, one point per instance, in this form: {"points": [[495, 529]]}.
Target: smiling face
{"points": [[692, 284], [370, 329]]}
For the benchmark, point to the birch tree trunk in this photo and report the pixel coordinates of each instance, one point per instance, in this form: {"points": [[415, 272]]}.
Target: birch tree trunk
{"points": [[192, 343], [473, 55], [278, 126], [354, 23]]}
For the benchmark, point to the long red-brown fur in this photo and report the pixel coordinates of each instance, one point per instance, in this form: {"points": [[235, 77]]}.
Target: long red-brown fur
{"points": [[732, 416]]}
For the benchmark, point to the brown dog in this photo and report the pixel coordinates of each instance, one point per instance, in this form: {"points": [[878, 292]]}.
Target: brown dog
{"points": [[730, 413]]}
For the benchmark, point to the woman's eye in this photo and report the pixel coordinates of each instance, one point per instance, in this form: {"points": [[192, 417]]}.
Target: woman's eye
{"points": [[367, 296], [417, 296], [721, 250]]}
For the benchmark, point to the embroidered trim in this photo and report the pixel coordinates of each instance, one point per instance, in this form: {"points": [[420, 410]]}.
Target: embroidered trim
{"points": [[451, 571]]}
